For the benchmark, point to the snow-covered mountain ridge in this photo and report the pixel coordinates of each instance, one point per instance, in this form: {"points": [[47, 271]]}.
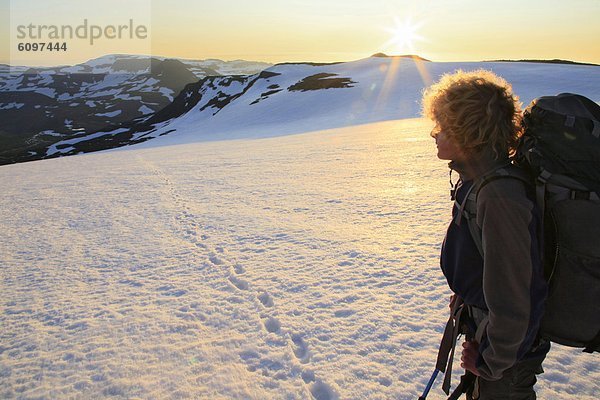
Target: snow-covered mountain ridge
{"points": [[299, 97], [40, 106], [293, 98]]}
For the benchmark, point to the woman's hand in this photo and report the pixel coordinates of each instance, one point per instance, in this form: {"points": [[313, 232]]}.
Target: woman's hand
{"points": [[469, 357]]}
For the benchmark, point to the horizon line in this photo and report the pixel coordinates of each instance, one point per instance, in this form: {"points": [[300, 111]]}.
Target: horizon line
{"points": [[375, 55]]}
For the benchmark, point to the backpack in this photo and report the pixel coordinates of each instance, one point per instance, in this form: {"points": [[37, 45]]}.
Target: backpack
{"points": [[558, 157]]}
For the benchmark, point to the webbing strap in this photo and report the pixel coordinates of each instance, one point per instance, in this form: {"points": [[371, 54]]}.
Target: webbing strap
{"points": [[448, 344], [448, 375], [449, 338], [461, 206], [583, 195], [481, 329], [467, 382], [471, 197], [540, 192], [474, 190], [446, 354], [445, 347], [476, 235]]}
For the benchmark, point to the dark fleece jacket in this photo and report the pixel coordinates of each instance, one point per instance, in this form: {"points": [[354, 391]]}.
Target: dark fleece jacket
{"points": [[508, 280]]}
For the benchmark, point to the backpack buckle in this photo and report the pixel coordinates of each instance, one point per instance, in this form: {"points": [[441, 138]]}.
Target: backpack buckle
{"points": [[580, 195], [544, 176]]}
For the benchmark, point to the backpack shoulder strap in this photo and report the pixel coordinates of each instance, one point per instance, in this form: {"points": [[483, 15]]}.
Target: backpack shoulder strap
{"points": [[468, 208]]}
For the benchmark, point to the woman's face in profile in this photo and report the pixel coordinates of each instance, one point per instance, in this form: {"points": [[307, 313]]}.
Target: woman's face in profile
{"points": [[447, 148]]}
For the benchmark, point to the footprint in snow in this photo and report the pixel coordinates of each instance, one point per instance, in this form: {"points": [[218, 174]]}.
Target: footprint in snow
{"points": [[266, 299], [215, 259], [272, 325], [322, 391], [200, 245], [239, 269], [308, 376], [238, 283], [300, 348]]}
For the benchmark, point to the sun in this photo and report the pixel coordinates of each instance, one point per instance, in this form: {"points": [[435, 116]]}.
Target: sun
{"points": [[404, 36]]}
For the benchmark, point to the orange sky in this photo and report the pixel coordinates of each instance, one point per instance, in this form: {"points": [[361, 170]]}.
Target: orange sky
{"points": [[296, 30]]}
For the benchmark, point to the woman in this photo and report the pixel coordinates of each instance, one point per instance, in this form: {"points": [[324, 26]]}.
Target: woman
{"points": [[500, 279]]}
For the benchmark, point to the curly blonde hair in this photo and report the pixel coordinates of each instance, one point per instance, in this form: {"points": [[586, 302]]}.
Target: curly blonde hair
{"points": [[477, 110]]}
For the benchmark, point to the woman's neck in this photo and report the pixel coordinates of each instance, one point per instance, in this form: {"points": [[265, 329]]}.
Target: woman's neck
{"points": [[477, 165]]}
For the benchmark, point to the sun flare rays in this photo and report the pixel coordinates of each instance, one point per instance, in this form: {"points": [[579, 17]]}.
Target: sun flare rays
{"points": [[403, 40], [404, 36]]}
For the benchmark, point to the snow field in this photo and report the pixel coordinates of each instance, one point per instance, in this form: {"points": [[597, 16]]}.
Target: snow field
{"points": [[297, 267]]}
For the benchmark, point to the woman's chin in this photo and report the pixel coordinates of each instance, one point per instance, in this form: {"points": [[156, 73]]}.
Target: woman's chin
{"points": [[442, 156]]}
